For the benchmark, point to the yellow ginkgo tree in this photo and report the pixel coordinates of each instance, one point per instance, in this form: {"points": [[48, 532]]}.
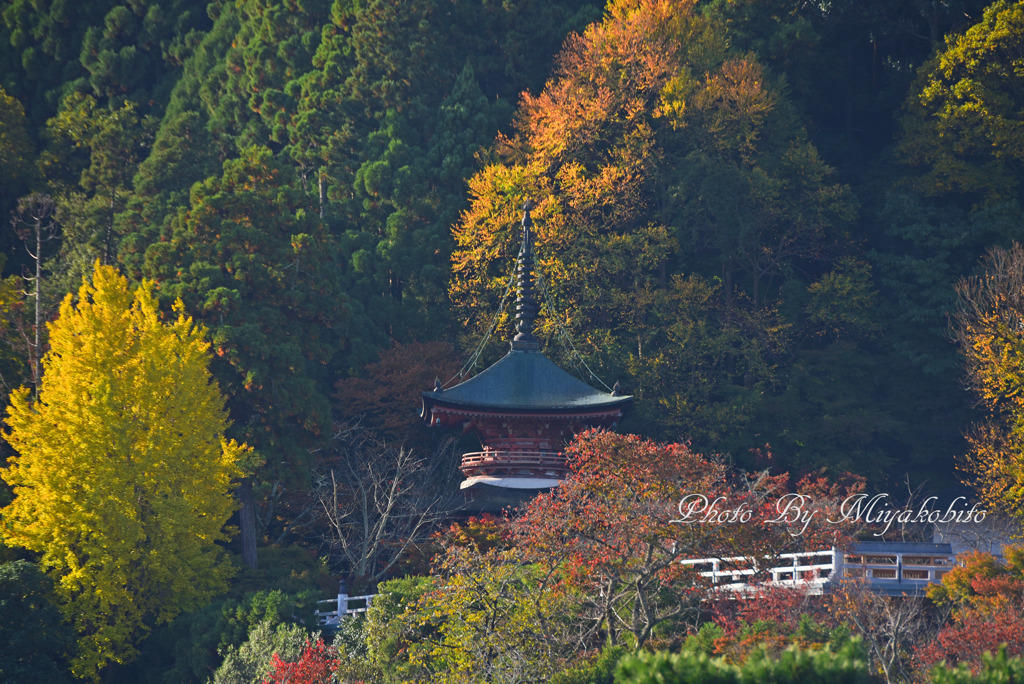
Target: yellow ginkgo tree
{"points": [[122, 474]]}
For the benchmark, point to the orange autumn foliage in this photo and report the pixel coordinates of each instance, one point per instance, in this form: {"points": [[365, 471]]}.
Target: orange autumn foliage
{"points": [[612, 532], [665, 170]]}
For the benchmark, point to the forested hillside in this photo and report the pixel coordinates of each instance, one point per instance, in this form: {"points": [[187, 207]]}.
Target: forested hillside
{"points": [[755, 215]]}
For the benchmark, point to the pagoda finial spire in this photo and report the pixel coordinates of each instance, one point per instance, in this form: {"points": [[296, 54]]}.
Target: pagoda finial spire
{"points": [[526, 303]]}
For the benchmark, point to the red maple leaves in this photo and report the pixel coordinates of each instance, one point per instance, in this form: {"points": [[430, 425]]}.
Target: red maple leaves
{"points": [[316, 665]]}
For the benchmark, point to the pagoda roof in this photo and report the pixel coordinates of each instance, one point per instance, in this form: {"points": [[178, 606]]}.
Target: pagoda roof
{"points": [[525, 380]]}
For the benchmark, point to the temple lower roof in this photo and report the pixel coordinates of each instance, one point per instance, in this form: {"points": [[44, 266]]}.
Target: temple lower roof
{"points": [[524, 381]]}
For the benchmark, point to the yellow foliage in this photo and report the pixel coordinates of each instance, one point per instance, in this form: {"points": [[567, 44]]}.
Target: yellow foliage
{"points": [[987, 325], [487, 615], [122, 475], [962, 125]]}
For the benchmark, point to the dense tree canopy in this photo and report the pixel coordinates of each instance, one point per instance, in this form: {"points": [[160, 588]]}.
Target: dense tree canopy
{"points": [[694, 240], [16, 151], [255, 268], [963, 125], [750, 213]]}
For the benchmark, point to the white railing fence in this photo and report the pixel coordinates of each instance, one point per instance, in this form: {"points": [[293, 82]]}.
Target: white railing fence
{"points": [[344, 606], [815, 569]]}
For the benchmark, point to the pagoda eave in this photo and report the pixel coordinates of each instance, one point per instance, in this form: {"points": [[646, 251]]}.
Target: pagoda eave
{"points": [[449, 416]]}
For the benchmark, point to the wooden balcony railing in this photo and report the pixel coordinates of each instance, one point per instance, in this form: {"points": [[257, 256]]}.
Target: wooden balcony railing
{"points": [[514, 463]]}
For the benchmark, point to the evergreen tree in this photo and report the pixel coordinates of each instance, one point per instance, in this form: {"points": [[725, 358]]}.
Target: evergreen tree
{"points": [[132, 53], [184, 150], [36, 637], [256, 269], [16, 151], [249, 261]]}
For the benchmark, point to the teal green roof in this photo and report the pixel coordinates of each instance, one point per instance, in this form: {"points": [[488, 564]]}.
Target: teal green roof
{"points": [[525, 380]]}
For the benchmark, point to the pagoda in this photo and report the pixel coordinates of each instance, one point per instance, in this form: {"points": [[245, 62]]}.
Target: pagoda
{"points": [[524, 408]]}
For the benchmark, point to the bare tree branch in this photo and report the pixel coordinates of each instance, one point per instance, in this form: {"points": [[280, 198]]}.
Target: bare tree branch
{"points": [[35, 224], [376, 502]]}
